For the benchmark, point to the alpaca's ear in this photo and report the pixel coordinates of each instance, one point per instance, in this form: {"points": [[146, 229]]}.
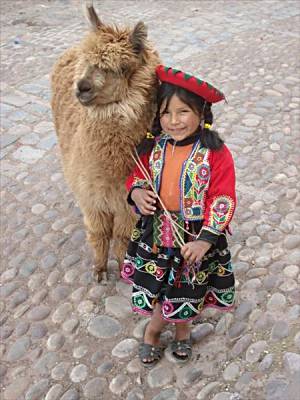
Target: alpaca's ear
{"points": [[92, 16], [138, 37]]}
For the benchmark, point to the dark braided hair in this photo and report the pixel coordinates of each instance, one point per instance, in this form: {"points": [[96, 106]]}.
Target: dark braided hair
{"points": [[209, 138]]}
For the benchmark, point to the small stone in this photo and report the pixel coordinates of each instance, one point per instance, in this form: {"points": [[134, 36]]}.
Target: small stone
{"points": [[55, 341], [96, 293], [192, 375], [276, 301], [292, 241], [79, 373], [38, 331], [119, 384], [118, 306], [70, 325], [226, 396], [21, 328], [167, 394], [18, 349], [297, 340], [224, 324], [134, 366], [139, 328], [95, 389], [231, 372], [206, 390], [135, 394], [288, 285], [80, 351], [5, 332], [37, 391], [237, 329], [125, 348], [59, 293], [159, 377], [62, 312], [244, 309], [71, 394], [200, 331], [266, 362], [55, 392], [45, 363], [28, 267], [280, 330], [291, 362], [275, 389], [291, 271], [8, 275], [70, 260], [97, 357], [105, 367], [49, 261], [104, 327], [39, 313], [241, 345], [254, 352], [16, 392], [38, 209], [59, 371], [85, 307]]}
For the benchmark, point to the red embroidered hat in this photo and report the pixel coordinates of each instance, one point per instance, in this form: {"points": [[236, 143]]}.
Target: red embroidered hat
{"points": [[189, 82]]}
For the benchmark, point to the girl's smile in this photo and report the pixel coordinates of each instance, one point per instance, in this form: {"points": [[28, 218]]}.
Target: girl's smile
{"points": [[178, 119]]}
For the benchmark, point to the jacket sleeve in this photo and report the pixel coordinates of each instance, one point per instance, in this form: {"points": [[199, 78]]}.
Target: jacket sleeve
{"points": [[137, 179], [220, 199]]}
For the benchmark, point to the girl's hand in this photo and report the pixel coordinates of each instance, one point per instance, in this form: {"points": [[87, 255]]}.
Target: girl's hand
{"points": [[144, 200], [194, 251]]}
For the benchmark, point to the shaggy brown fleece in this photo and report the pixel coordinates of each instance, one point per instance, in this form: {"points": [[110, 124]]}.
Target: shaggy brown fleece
{"points": [[103, 103]]}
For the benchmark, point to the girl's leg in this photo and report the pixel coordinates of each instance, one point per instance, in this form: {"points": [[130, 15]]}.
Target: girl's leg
{"points": [[183, 332], [154, 328]]}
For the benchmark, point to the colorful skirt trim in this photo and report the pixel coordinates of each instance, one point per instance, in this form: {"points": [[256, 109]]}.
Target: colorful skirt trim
{"points": [[159, 274]]}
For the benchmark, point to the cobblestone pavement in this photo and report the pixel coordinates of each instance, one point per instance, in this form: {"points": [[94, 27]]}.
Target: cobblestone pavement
{"points": [[63, 336]]}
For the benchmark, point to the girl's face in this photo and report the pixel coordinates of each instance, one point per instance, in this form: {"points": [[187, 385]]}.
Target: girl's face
{"points": [[178, 120]]}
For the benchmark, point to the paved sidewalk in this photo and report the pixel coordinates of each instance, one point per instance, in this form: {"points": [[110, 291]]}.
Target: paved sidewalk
{"points": [[63, 336]]}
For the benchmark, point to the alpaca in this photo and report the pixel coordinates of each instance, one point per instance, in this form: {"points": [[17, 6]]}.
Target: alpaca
{"points": [[103, 103]]}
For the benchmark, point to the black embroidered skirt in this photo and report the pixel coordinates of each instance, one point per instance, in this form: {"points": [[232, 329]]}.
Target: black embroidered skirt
{"points": [[161, 274]]}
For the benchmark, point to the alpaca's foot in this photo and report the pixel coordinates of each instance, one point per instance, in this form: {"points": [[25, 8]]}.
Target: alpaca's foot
{"points": [[100, 275]]}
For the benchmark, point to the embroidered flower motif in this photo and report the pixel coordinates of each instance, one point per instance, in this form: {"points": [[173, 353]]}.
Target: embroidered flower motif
{"points": [[150, 267], [159, 272], [136, 233], [210, 298], [200, 276], [203, 172], [221, 270], [198, 157], [188, 202], [167, 307], [221, 206], [139, 301], [138, 262], [185, 313], [128, 269], [227, 297]]}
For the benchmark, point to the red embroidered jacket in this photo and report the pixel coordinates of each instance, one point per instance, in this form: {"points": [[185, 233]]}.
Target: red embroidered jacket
{"points": [[207, 186]]}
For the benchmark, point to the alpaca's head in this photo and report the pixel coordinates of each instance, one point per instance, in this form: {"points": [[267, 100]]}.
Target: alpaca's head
{"points": [[109, 60]]}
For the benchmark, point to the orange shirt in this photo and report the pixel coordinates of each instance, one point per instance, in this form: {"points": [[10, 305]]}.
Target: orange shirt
{"points": [[170, 180]]}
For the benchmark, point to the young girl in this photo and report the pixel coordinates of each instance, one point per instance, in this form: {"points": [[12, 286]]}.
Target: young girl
{"points": [[178, 259]]}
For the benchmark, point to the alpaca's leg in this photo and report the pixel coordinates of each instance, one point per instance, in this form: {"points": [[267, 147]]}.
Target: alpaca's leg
{"points": [[99, 232], [124, 223]]}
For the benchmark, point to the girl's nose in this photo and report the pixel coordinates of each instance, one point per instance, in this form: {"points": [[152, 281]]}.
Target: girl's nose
{"points": [[174, 119]]}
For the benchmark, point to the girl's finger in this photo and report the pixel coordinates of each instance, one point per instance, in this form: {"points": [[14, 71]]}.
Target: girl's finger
{"points": [[152, 194]]}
